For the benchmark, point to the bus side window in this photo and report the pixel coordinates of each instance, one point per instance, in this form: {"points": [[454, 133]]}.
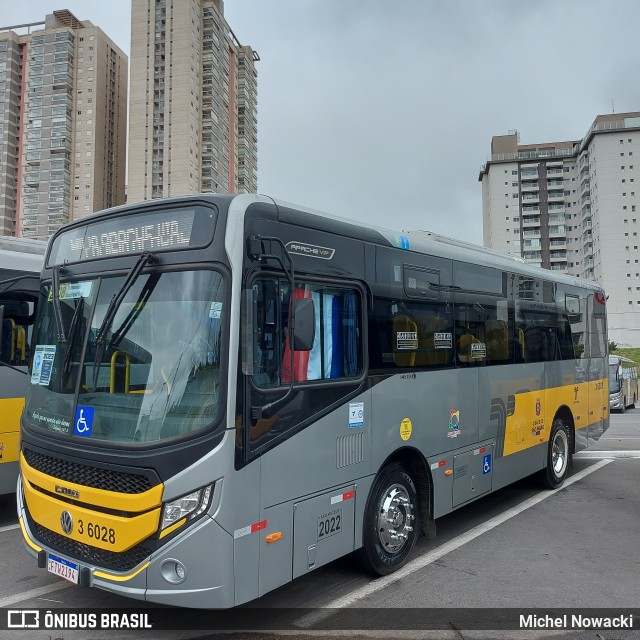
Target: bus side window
{"points": [[404, 335], [497, 332], [335, 352], [16, 329], [7, 341], [471, 347]]}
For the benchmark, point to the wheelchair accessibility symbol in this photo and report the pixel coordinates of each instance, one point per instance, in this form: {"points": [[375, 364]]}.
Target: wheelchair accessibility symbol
{"points": [[486, 465], [83, 424]]}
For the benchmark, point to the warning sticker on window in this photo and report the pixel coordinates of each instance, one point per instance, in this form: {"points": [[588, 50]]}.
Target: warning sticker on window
{"points": [[442, 340], [407, 340], [478, 350]]}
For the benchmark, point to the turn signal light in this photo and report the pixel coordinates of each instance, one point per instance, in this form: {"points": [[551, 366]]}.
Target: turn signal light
{"points": [[273, 537]]}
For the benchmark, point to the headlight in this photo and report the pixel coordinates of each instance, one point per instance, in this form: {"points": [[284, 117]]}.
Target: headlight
{"points": [[190, 506]]}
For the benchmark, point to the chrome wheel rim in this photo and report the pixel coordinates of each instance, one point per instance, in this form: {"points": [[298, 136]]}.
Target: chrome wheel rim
{"points": [[559, 453], [395, 518]]}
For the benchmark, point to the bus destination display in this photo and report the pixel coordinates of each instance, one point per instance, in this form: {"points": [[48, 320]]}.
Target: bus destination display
{"points": [[157, 231]]}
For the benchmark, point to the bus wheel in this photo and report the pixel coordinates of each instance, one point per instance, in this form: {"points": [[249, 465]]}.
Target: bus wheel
{"points": [[391, 521], [558, 456]]}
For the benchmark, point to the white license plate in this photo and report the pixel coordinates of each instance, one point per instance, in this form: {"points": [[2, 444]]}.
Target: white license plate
{"points": [[63, 568]]}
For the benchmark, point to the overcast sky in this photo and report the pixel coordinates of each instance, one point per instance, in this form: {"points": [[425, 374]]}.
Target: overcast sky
{"points": [[383, 110]]}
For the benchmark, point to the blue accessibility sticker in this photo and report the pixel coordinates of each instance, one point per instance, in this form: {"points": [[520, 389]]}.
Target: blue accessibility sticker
{"points": [[83, 425], [486, 464]]}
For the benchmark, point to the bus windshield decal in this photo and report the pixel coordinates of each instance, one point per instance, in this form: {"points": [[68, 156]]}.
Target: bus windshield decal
{"points": [[72, 290], [43, 364]]}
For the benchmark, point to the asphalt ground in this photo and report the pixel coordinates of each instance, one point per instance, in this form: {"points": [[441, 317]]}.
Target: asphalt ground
{"points": [[576, 549]]}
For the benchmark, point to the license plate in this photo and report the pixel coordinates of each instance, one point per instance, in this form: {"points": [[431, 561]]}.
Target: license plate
{"points": [[63, 568]]}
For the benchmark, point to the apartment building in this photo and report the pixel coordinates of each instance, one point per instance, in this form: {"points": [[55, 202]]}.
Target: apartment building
{"points": [[63, 119], [572, 206], [193, 102]]}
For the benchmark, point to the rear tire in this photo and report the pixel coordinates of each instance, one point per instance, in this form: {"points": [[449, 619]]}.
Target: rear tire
{"points": [[558, 455], [391, 521]]}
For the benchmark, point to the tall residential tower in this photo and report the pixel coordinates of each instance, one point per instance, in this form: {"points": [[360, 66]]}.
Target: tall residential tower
{"points": [[572, 206], [63, 119], [193, 105]]}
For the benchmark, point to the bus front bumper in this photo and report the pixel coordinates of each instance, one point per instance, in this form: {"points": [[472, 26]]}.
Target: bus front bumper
{"points": [[205, 579], [616, 402]]}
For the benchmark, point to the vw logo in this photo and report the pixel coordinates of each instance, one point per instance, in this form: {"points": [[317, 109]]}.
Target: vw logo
{"points": [[66, 522]]}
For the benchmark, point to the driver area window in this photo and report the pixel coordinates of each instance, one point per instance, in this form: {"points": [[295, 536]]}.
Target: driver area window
{"points": [[335, 353]]}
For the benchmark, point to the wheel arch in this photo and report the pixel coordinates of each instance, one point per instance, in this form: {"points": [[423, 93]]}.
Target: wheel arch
{"points": [[416, 464], [567, 416]]}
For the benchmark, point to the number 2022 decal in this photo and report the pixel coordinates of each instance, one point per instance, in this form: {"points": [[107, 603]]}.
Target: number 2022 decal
{"points": [[330, 523]]}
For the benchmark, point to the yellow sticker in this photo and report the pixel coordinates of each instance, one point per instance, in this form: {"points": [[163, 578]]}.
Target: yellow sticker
{"points": [[405, 429]]}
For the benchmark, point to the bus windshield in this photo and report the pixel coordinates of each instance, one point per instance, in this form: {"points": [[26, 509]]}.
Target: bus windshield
{"points": [[148, 374], [614, 378]]}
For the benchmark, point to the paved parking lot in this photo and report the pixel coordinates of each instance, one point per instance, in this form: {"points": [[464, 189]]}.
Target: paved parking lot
{"points": [[576, 548]]}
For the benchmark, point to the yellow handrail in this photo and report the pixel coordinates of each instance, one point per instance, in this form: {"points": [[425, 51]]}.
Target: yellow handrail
{"points": [[127, 371]]}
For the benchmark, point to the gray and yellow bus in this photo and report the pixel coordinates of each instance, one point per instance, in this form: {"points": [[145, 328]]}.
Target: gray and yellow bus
{"points": [[228, 392], [20, 267]]}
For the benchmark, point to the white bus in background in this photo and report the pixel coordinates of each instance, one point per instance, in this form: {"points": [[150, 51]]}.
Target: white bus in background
{"points": [[20, 264], [623, 383]]}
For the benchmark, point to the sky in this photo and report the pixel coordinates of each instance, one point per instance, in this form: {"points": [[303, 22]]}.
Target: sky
{"points": [[383, 111]]}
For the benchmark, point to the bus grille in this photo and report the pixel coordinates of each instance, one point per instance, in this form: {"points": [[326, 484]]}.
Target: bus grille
{"points": [[88, 476], [121, 561]]}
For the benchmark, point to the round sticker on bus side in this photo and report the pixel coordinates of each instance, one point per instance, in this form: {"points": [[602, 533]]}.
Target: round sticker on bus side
{"points": [[405, 429]]}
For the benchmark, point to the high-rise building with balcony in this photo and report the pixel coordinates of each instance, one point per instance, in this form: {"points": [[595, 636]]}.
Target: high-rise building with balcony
{"points": [[63, 119], [193, 102], [572, 206]]}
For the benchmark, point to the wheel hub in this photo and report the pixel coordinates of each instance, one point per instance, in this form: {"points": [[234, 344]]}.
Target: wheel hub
{"points": [[559, 453], [395, 517]]}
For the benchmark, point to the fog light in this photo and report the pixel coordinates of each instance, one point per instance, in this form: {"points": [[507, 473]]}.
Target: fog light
{"points": [[173, 571]]}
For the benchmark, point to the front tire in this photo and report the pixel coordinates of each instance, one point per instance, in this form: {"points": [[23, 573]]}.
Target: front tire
{"points": [[391, 521], [558, 455]]}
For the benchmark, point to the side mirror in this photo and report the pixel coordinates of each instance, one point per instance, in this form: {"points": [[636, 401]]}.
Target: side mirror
{"points": [[305, 324]]}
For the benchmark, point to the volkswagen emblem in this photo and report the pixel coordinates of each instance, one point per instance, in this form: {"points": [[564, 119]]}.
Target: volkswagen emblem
{"points": [[66, 522]]}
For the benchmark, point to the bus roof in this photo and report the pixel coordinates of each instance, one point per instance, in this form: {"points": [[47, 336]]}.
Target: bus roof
{"points": [[23, 245], [616, 359], [21, 254], [419, 241]]}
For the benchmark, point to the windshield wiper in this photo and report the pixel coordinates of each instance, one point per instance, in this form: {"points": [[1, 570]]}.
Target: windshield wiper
{"points": [[144, 259], [136, 310], [73, 332], [57, 309]]}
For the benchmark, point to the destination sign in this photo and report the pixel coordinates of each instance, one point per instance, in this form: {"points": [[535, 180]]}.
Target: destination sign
{"points": [[161, 230]]}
